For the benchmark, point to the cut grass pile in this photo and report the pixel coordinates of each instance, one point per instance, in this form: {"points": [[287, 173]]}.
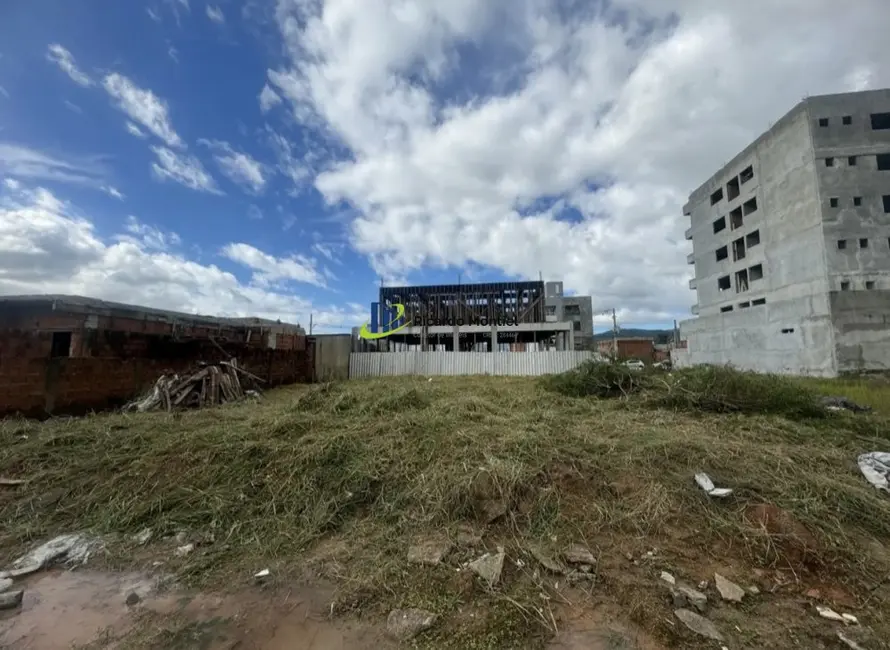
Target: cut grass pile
{"points": [[367, 467]]}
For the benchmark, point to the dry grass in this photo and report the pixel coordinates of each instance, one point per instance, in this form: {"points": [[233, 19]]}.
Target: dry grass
{"points": [[345, 476]]}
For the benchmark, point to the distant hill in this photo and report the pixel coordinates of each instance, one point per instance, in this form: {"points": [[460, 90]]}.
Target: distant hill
{"points": [[660, 336]]}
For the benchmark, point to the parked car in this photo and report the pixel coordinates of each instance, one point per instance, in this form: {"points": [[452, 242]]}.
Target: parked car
{"points": [[634, 364]]}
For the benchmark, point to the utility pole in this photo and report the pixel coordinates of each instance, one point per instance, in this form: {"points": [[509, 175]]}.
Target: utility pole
{"points": [[614, 333], [310, 324]]}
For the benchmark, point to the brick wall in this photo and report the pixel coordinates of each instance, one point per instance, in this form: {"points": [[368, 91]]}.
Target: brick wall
{"points": [[117, 366], [642, 349]]}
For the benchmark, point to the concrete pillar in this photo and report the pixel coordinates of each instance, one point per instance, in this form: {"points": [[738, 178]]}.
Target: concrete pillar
{"points": [[571, 333], [457, 338], [424, 333], [494, 338], [561, 341]]}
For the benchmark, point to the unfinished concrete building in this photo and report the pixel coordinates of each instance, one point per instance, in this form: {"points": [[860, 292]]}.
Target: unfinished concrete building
{"points": [[791, 245], [500, 316]]}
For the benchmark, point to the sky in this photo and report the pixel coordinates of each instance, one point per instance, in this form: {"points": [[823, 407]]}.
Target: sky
{"points": [[281, 158]]}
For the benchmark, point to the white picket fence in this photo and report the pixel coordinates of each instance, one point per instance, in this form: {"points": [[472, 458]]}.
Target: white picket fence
{"points": [[387, 364]]}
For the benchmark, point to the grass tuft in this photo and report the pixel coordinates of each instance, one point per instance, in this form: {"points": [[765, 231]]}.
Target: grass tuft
{"points": [[596, 379]]}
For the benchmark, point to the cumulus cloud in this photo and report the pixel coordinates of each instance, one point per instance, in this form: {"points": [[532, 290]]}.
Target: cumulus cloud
{"points": [[269, 269], [47, 246], [239, 167], [183, 169], [269, 99], [64, 59], [215, 14], [142, 107], [568, 141]]}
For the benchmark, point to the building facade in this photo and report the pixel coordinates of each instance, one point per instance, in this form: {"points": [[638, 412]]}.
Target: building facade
{"points": [[500, 316], [791, 245], [628, 348]]}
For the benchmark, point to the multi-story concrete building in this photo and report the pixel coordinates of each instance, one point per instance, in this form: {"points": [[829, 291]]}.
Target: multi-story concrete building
{"points": [[577, 310], [791, 245]]}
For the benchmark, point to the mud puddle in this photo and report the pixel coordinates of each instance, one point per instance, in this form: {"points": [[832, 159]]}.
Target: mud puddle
{"points": [[63, 610]]}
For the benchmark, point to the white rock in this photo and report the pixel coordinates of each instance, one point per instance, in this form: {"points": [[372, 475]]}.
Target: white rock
{"points": [[728, 590], [489, 567], [698, 624], [668, 578], [184, 550]]}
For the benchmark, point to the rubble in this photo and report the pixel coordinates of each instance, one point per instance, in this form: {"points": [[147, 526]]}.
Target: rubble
{"points": [[208, 385], [70, 549], [405, 624], [875, 467], [728, 590], [837, 403], [698, 624], [578, 554], [705, 483], [11, 599], [546, 560], [668, 578], [686, 596], [430, 552]]}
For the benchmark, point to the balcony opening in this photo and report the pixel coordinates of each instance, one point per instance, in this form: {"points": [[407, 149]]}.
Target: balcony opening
{"points": [[738, 249], [880, 121], [851, 161], [722, 253], [750, 206], [841, 244], [733, 189], [61, 345], [857, 201], [735, 219], [847, 120], [829, 162], [845, 285], [717, 196], [833, 202], [756, 272], [741, 281], [747, 174], [726, 309], [719, 224], [759, 301], [869, 284], [752, 239], [724, 284], [863, 242], [883, 160]]}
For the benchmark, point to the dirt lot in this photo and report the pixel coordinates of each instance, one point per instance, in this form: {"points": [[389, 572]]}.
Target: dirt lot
{"points": [[372, 496]]}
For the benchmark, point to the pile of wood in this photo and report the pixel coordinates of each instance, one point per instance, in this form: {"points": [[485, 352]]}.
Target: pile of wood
{"points": [[207, 385]]}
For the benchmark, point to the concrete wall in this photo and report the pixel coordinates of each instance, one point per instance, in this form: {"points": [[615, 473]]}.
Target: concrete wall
{"points": [[382, 364], [861, 322], [332, 356]]}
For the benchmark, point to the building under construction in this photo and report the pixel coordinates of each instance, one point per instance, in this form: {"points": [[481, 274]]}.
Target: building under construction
{"points": [[502, 316]]}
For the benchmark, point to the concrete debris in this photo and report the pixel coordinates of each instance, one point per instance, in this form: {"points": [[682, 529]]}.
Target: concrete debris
{"points": [[11, 599], [489, 567], [181, 537], [830, 614], [72, 550], [836, 403], [703, 585], [754, 591], [698, 624], [143, 537], [405, 624], [728, 590], [492, 510], [849, 639], [705, 483], [467, 536], [207, 385], [5, 583], [262, 574], [430, 552], [182, 551], [686, 596], [668, 578], [11, 482], [875, 466], [578, 554]]}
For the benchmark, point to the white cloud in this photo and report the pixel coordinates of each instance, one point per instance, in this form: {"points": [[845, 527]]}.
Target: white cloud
{"points": [[568, 142], [143, 107], [153, 14], [74, 108], [4, 92], [215, 14], [298, 171], [269, 269], [113, 192], [132, 129], [23, 162], [253, 212], [47, 246], [183, 169], [328, 250], [173, 53], [63, 58], [239, 167], [268, 99]]}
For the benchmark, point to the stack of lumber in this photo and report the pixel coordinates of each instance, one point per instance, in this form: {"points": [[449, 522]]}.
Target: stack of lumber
{"points": [[207, 385]]}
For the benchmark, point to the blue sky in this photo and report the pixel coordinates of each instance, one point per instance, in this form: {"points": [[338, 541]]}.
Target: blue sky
{"points": [[281, 158]]}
